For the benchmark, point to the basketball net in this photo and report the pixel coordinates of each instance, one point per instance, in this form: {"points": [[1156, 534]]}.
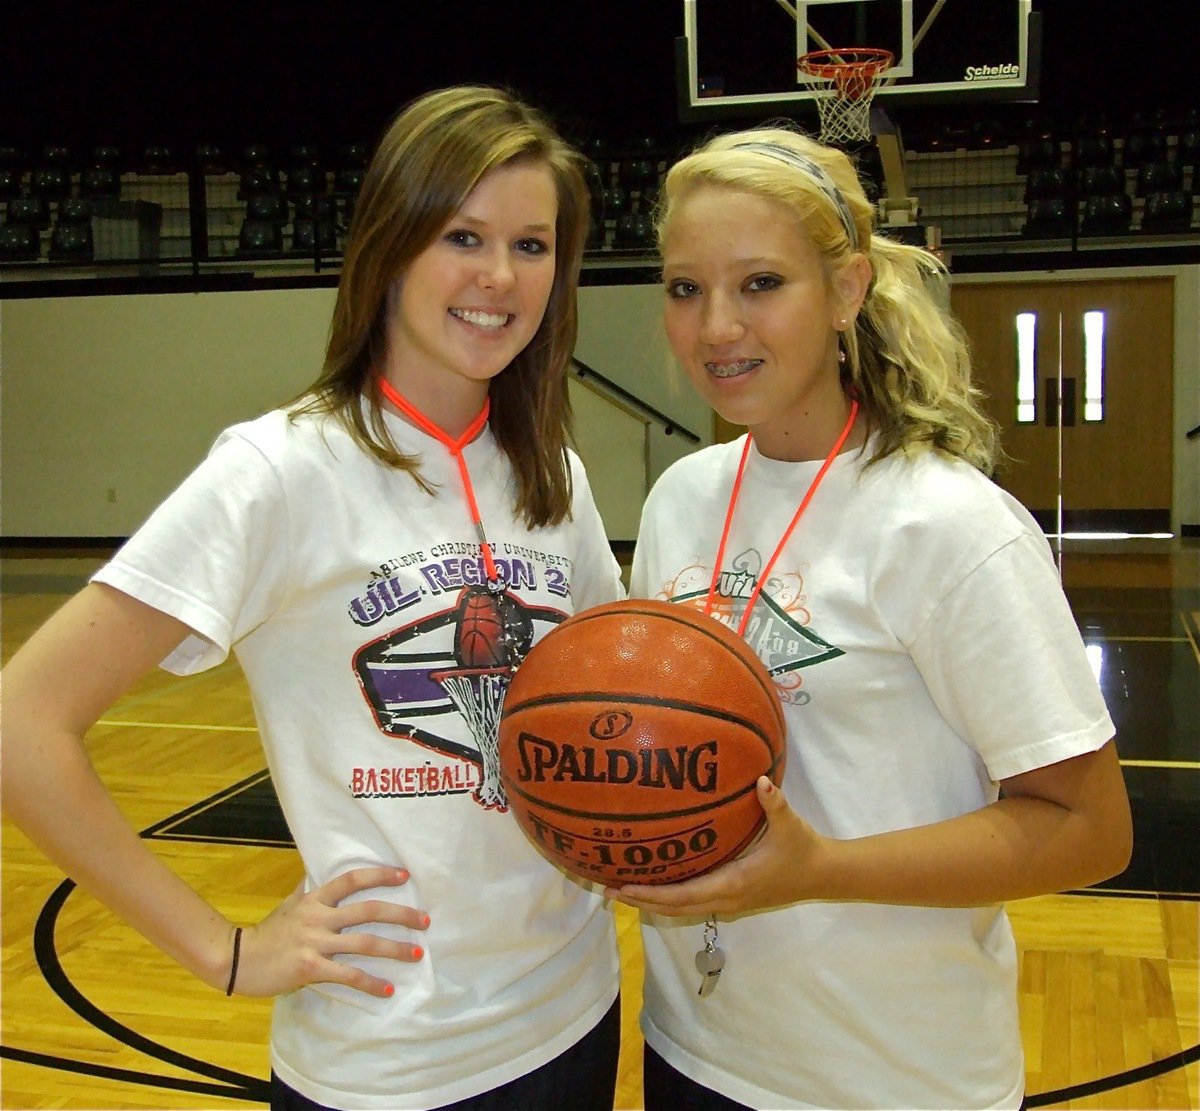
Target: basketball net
{"points": [[845, 82], [478, 694]]}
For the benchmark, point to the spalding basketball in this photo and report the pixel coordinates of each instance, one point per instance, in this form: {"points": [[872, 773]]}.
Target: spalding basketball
{"points": [[631, 739]]}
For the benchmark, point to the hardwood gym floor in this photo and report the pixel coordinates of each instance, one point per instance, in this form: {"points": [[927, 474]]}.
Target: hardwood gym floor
{"points": [[93, 1017]]}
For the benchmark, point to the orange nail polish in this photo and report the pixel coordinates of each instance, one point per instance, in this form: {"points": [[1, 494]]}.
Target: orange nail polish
{"points": [[417, 952], [390, 990], [425, 920]]}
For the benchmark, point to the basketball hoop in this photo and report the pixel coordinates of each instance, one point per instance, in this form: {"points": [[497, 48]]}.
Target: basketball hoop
{"points": [[845, 81]]}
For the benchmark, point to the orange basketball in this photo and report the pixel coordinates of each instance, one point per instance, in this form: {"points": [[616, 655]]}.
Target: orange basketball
{"points": [[631, 739]]}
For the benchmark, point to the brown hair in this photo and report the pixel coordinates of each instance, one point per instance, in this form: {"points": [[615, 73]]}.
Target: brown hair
{"points": [[431, 157]]}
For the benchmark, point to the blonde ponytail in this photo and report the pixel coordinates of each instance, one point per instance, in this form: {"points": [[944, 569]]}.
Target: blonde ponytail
{"points": [[910, 363]]}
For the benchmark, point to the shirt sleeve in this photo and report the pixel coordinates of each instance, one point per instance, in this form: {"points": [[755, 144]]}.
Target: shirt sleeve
{"points": [[213, 555], [1003, 659]]}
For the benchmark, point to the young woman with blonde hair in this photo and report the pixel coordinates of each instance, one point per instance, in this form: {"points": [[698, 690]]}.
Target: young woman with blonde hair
{"points": [[378, 555], [948, 747]]}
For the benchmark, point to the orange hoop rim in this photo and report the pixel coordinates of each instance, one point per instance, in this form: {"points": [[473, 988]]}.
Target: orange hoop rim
{"points": [[855, 67]]}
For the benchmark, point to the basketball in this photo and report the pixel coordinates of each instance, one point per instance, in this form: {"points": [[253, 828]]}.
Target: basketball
{"points": [[631, 739], [479, 630], [487, 627]]}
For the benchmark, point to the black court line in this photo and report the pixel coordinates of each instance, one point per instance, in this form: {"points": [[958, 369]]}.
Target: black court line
{"points": [[1135, 893], [248, 813], [1120, 1080], [238, 1085], [255, 793], [146, 1079]]}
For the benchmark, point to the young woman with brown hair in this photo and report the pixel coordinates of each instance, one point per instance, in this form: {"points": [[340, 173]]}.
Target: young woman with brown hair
{"points": [[378, 555]]}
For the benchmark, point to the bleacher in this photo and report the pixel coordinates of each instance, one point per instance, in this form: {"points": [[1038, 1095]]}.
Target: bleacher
{"points": [[994, 186]]}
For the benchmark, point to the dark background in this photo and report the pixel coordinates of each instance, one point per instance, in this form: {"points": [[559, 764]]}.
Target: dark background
{"points": [[283, 71]]}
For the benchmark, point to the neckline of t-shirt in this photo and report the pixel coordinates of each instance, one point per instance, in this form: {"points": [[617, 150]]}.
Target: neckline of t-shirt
{"points": [[786, 471]]}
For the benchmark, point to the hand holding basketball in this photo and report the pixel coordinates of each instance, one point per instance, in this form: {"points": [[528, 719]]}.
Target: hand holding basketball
{"points": [[781, 868]]}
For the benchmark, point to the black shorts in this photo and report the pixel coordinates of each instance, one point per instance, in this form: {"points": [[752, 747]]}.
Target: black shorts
{"points": [[667, 1089], [583, 1078]]}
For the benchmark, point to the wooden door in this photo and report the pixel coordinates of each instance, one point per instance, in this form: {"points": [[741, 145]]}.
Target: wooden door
{"points": [[1111, 464]]}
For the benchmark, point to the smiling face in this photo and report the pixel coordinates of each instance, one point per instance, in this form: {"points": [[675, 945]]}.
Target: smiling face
{"points": [[753, 318], [472, 300]]}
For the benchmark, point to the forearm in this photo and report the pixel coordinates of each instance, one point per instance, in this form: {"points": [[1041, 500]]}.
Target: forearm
{"points": [[80, 828], [105, 641], [1013, 849], [1059, 827]]}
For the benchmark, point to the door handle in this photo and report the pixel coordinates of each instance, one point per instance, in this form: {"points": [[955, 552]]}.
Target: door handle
{"points": [[1068, 402]]}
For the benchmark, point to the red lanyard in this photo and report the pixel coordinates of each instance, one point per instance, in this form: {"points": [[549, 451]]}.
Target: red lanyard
{"points": [[455, 448], [808, 496]]}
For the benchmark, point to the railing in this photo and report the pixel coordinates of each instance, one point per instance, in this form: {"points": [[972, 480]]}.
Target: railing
{"points": [[625, 444], [639, 407]]}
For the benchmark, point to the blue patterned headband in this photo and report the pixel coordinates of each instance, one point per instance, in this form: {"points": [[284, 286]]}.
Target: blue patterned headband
{"points": [[818, 174]]}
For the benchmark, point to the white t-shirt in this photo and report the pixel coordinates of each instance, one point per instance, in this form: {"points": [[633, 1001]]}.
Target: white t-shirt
{"points": [[340, 585], [924, 650]]}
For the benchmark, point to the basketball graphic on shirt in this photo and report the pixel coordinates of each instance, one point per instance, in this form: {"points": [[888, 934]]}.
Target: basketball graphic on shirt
{"points": [[479, 631], [488, 627]]}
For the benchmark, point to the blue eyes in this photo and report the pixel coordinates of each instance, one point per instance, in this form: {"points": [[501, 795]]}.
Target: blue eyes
{"points": [[461, 237], [680, 288], [764, 282]]}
